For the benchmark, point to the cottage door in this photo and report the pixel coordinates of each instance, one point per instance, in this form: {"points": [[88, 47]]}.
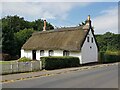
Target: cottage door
{"points": [[34, 54]]}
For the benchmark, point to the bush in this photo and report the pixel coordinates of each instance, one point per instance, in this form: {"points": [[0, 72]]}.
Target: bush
{"points": [[101, 57], [5, 57], [109, 57], [24, 59], [49, 63]]}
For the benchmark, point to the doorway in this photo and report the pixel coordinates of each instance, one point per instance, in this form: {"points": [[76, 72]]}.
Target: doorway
{"points": [[34, 54]]}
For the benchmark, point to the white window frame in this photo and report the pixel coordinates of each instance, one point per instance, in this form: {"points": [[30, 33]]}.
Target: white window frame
{"points": [[66, 53], [41, 52], [51, 52]]}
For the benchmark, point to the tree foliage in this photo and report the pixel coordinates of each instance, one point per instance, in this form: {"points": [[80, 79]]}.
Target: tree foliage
{"points": [[21, 37], [16, 30], [108, 42]]}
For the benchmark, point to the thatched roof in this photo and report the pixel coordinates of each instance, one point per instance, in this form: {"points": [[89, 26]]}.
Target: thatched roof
{"points": [[59, 39]]}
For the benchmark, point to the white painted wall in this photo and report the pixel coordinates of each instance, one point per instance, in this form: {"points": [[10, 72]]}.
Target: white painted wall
{"points": [[58, 52], [22, 53], [38, 54], [26, 53], [46, 53], [89, 54]]}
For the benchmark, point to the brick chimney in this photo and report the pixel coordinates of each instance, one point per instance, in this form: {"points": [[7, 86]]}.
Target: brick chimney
{"points": [[87, 24], [88, 21], [44, 28]]}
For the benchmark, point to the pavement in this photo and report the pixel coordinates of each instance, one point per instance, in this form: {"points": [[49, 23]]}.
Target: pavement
{"points": [[30, 75]]}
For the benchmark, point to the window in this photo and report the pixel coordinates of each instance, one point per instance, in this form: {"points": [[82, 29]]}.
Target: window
{"points": [[51, 52], [92, 39], [87, 39], [66, 53], [41, 52]]}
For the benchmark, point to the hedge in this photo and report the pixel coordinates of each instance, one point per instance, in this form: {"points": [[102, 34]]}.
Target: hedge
{"points": [[105, 57], [55, 62]]}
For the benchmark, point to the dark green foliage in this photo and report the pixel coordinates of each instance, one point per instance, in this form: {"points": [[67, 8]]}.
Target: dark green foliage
{"points": [[16, 30], [6, 57], [24, 59], [109, 57], [37, 25], [101, 57], [20, 38], [49, 63], [108, 42], [109, 45], [8, 41]]}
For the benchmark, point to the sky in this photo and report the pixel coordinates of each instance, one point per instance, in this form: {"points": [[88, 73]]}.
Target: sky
{"points": [[104, 15]]}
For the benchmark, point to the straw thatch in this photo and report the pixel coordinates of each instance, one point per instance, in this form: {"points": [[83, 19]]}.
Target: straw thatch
{"points": [[60, 39]]}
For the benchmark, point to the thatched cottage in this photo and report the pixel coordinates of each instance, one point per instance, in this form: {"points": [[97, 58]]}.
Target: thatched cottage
{"points": [[75, 41]]}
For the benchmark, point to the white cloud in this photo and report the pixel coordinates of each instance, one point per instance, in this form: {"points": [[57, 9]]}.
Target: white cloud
{"points": [[39, 9], [108, 21]]}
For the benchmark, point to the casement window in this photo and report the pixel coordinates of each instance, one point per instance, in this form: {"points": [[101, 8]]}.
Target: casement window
{"points": [[51, 53], [66, 53], [41, 52], [87, 39], [92, 39]]}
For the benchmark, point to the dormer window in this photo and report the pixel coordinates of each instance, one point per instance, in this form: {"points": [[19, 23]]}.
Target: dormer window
{"points": [[41, 52], [51, 52], [66, 53], [87, 39]]}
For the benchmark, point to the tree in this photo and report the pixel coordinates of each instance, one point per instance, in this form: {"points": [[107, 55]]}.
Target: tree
{"points": [[15, 25], [38, 25], [108, 41], [8, 41], [21, 37]]}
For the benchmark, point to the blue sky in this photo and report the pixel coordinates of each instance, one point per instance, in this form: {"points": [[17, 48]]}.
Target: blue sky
{"points": [[104, 15]]}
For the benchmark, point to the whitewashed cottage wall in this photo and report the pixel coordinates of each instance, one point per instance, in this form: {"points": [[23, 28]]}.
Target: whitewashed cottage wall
{"points": [[89, 54], [46, 53], [26, 53]]}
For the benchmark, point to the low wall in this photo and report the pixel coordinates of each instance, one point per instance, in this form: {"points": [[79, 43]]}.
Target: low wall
{"points": [[16, 67]]}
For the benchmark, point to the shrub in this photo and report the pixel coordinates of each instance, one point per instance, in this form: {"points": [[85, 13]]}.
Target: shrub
{"points": [[49, 63], [109, 57], [5, 57], [24, 59]]}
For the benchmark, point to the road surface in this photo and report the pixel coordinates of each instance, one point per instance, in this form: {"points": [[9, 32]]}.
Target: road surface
{"points": [[102, 77]]}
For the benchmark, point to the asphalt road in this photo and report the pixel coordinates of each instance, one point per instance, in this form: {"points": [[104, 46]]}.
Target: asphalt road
{"points": [[103, 77]]}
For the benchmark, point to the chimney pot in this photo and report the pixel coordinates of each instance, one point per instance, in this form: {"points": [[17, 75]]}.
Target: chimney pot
{"points": [[89, 17]]}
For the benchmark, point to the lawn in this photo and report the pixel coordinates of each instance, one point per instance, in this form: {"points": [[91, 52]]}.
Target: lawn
{"points": [[6, 62]]}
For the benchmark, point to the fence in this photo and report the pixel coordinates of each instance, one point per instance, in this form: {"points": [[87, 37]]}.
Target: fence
{"points": [[15, 67]]}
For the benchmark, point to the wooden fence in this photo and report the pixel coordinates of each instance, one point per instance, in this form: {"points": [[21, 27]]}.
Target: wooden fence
{"points": [[16, 67]]}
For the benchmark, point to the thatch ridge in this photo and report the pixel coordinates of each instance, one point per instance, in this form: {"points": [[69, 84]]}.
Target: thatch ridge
{"points": [[59, 30]]}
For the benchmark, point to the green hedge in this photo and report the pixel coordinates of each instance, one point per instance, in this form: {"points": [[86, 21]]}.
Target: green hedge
{"points": [[49, 63], [105, 57]]}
